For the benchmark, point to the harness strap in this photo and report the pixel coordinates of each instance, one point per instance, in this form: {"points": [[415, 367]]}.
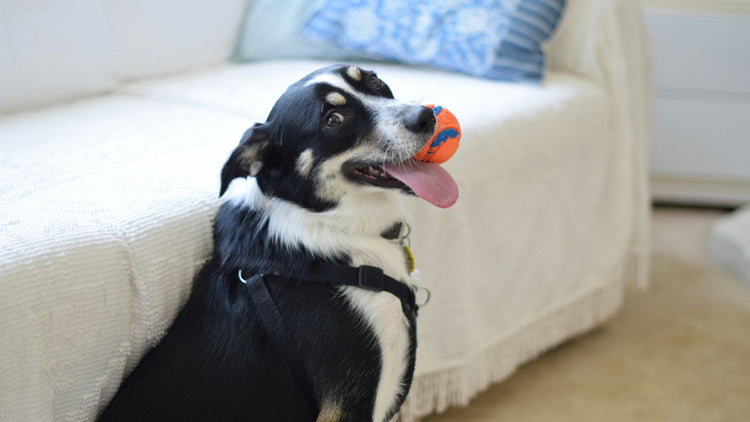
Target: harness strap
{"points": [[269, 314], [366, 277]]}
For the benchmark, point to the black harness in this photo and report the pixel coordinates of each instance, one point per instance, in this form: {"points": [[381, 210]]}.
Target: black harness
{"points": [[365, 277]]}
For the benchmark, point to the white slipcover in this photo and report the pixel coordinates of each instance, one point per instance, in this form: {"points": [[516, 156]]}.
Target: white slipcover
{"points": [[107, 206]]}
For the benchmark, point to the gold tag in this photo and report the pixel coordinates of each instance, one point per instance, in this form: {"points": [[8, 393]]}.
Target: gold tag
{"points": [[411, 263]]}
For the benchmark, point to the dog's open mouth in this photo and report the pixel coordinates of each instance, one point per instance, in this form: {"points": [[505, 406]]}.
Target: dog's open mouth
{"points": [[375, 175], [426, 180]]}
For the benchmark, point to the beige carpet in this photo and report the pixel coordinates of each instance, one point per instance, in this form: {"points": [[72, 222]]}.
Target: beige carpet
{"points": [[677, 352]]}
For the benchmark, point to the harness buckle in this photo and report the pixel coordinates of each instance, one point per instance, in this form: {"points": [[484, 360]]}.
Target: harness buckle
{"points": [[370, 278]]}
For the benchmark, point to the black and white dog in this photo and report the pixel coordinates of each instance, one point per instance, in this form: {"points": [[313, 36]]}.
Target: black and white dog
{"points": [[306, 311]]}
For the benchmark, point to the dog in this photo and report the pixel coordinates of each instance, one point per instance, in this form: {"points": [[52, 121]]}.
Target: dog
{"points": [[306, 312]]}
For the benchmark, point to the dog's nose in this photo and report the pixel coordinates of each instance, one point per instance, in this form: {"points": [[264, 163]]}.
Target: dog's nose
{"points": [[420, 120]]}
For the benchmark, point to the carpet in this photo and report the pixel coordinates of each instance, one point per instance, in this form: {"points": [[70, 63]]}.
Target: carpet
{"points": [[679, 351]]}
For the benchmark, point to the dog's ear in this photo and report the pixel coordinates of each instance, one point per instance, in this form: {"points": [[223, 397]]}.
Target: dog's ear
{"points": [[247, 158]]}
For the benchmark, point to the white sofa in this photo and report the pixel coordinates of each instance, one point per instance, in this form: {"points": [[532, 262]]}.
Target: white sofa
{"points": [[119, 115]]}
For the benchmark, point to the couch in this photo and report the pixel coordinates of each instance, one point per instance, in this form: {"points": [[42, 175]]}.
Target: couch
{"points": [[117, 117]]}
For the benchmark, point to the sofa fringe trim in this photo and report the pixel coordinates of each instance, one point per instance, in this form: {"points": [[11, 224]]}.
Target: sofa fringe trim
{"points": [[435, 392]]}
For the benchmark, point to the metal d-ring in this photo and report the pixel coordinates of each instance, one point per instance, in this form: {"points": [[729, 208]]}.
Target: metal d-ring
{"points": [[239, 274], [416, 290], [405, 240], [253, 278]]}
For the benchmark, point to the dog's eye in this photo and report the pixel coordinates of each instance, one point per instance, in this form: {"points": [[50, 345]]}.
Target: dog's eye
{"points": [[334, 119], [375, 83]]}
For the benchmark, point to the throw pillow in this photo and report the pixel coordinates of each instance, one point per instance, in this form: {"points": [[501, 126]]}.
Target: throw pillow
{"points": [[497, 39]]}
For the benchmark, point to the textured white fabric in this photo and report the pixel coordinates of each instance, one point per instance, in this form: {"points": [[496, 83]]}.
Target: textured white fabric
{"points": [[105, 218], [106, 209], [606, 42], [57, 50]]}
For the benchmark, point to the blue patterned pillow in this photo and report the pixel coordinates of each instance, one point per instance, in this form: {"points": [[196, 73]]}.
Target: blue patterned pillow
{"points": [[497, 39]]}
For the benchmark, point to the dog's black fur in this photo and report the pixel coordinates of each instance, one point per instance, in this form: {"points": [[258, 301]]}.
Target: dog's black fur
{"points": [[217, 362]]}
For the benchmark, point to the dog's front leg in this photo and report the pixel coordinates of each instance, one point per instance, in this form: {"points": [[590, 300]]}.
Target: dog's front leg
{"points": [[330, 412], [334, 412]]}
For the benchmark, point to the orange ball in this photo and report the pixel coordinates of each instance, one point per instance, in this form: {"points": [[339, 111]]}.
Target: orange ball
{"points": [[444, 143]]}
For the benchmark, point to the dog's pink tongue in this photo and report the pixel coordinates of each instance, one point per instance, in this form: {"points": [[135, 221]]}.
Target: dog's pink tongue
{"points": [[429, 181]]}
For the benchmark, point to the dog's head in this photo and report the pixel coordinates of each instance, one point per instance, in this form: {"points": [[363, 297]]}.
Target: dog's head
{"points": [[339, 132]]}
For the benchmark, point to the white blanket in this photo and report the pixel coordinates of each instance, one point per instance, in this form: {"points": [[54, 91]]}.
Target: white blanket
{"points": [[107, 206]]}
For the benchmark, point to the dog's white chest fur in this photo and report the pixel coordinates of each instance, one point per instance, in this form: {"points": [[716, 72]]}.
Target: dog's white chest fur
{"points": [[354, 227], [384, 315]]}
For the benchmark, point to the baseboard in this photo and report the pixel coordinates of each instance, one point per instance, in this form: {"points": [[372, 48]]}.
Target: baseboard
{"points": [[727, 6], [686, 191]]}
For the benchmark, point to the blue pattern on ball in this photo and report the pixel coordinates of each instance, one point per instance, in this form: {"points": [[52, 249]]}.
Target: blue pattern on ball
{"points": [[443, 136]]}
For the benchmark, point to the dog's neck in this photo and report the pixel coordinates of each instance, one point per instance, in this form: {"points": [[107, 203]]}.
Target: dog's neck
{"points": [[331, 232]]}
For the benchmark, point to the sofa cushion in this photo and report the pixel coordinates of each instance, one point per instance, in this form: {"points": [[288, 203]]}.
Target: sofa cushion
{"points": [[151, 38], [498, 40], [51, 51], [478, 103], [57, 50]]}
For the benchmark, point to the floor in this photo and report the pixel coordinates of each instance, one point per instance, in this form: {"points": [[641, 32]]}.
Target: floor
{"points": [[677, 352]]}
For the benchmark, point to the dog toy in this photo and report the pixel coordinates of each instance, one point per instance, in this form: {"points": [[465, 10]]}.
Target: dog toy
{"points": [[444, 143]]}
